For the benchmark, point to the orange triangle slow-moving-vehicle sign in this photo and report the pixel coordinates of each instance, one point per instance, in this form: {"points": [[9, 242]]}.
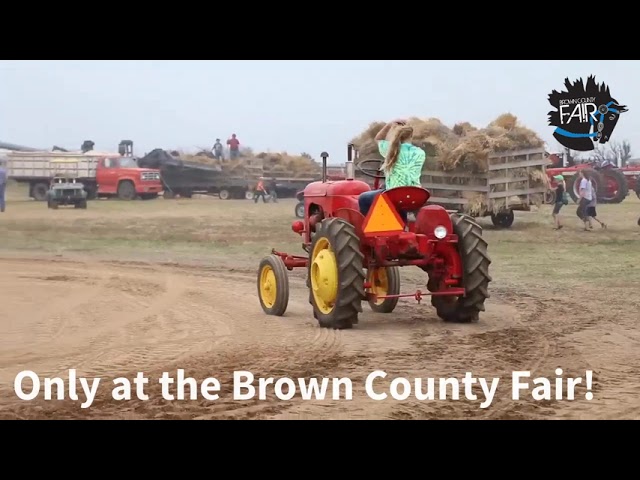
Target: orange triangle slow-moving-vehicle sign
{"points": [[382, 218]]}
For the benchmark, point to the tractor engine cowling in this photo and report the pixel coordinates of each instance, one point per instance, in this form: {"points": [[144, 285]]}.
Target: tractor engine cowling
{"points": [[434, 221]]}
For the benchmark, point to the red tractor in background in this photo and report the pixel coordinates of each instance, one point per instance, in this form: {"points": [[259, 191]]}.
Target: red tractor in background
{"points": [[612, 183], [353, 258]]}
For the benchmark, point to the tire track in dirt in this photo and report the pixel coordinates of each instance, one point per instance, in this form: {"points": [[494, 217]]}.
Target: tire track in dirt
{"points": [[156, 318]]}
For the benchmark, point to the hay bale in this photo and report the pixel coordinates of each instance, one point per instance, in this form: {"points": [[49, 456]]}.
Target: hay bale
{"points": [[466, 149], [265, 164]]}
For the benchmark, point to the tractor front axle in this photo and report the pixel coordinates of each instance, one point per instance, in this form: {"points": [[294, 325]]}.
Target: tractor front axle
{"points": [[419, 294]]}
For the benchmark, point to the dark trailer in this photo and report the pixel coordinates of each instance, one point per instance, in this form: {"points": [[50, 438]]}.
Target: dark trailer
{"points": [[186, 178]]}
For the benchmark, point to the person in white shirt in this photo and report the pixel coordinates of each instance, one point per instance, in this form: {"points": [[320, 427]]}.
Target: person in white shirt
{"points": [[586, 196], [591, 208]]}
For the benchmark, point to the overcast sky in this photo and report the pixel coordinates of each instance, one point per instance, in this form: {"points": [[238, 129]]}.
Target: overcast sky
{"points": [[294, 106]]}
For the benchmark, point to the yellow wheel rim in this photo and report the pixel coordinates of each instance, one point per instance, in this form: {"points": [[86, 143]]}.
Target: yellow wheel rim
{"points": [[379, 286], [268, 287], [324, 276]]}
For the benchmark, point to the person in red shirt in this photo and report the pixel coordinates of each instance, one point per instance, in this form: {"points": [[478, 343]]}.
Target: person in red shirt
{"points": [[234, 146]]}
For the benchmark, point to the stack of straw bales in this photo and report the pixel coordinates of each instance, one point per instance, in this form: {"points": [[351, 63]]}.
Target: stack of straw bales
{"points": [[466, 149], [277, 165]]}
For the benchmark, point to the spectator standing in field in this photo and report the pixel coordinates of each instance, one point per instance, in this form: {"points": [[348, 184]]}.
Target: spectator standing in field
{"points": [[561, 200], [591, 209], [217, 150], [272, 190], [3, 185], [234, 146], [586, 196], [260, 191]]}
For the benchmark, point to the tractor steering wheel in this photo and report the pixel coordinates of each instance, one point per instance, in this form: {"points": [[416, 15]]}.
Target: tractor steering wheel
{"points": [[370, 171]]}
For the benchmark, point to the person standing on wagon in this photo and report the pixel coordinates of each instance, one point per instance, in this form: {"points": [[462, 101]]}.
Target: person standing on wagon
{"points": [[234, 147]]}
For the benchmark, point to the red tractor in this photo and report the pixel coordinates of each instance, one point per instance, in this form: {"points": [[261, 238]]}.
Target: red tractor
{"points": [[613, 184], [353, 258]]}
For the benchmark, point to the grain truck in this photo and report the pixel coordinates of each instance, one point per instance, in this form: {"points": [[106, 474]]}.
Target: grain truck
{"points": [[103, 174]]}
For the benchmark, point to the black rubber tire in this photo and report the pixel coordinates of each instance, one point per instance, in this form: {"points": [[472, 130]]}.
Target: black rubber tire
{"points": [[39, 192], [224, 194], [550, 197], [53, 205], [126, 190], [503, 219], [282, 285], [623, 186], [573, 185], [248, 195], [168, 195], [345, 244], [476, 261], [300, 210], [389, 304]]}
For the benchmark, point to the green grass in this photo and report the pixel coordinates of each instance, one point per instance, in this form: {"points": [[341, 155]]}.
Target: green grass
{"points": [[239, 232]]}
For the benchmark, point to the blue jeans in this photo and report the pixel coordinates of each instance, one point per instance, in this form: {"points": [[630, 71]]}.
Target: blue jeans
{"points": [[2, 190], [365, 200]]}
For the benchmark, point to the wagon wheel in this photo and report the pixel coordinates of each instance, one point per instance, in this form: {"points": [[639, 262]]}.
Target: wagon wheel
{"points": [[503, 219], [273, 285], [384, 281], [335, 274]]}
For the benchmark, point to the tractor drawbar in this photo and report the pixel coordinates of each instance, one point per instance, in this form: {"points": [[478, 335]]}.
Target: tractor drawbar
{"points": [[457, 292]]}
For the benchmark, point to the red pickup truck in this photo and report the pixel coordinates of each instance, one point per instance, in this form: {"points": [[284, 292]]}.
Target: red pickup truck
{"points": [[103, 174]]}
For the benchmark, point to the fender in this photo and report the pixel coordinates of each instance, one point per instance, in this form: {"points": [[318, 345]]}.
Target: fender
{"points": [[431, 216]]}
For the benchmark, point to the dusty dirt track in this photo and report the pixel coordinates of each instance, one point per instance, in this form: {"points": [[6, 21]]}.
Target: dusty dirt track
{"points": [[63, 309], [110, 319]]}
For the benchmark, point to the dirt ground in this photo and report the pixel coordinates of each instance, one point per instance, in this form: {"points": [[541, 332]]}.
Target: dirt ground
{"points": [[160, 285]]}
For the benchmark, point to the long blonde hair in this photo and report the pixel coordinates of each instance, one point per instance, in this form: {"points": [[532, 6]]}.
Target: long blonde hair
{"points": [[399, 135]]}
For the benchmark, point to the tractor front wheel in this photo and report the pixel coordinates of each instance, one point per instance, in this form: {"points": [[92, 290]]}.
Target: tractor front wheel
{"points": [[273, 285], [472, 249], [336, 275], [300, 210], [384, 281]]}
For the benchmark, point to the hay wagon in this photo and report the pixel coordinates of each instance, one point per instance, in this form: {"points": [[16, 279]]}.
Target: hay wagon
{"points": [[513, 182]]}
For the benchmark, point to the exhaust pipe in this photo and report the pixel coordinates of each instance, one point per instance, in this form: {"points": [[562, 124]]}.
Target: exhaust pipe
{"points": [[324, 156]]}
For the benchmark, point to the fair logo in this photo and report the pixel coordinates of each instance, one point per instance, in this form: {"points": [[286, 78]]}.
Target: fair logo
{"points": [[585, 115]]}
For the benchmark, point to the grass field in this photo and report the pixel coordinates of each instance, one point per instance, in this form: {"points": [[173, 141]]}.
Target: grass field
{"points": [[151, 285]]}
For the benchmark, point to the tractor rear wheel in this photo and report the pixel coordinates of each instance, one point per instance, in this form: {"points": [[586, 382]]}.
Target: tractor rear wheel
{"points": [[273, 285], [475, 262], [335, 274], [387, 283], [615, 188]]}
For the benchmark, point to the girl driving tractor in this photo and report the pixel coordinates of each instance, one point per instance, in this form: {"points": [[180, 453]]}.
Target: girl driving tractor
{"points": [[402, 165]]}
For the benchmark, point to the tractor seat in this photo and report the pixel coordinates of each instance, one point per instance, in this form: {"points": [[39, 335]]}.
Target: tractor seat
{"points": [[407, 199]]}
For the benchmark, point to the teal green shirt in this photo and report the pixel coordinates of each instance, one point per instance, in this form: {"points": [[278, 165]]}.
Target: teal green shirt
{"points": [[408, 169]]}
